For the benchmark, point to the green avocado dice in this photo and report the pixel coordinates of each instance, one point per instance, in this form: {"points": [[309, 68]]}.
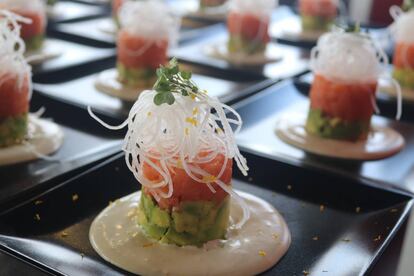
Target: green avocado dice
{"points": [[34, 43], [335, 128], [136, 77], [405, 77], [191, 223], [316, 23], [237, 44], [13, 130]]}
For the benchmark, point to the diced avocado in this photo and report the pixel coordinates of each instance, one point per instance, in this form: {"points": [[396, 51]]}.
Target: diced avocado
{"points": [[316, 23], [136, 77], [405, 77], [51, 2], [335, 128], [13, 130], [34, 43], [237, 44], [191, 223]]}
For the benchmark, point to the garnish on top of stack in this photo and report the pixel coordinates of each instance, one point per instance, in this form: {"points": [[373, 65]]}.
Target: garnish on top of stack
{"points": [[180, 146]]}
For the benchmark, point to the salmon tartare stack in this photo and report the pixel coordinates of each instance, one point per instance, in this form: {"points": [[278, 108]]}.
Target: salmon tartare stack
{"points": [[346, 67], [15, 81], [248, 24], [33, 31], [318, 15], [143, 41], [403, 60], [182, 154]]}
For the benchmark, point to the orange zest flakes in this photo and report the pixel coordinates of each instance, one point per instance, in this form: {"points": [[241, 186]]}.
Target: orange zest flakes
{"points": [[321, 208], [262, 253], [358, 210], [64, 234], [305, 272], [377, 238], [191, 121], [193, 97], [37, 217], [209, 178], [75, 197], [38, 202], [179, 164], [147, 245], [195, 111]]}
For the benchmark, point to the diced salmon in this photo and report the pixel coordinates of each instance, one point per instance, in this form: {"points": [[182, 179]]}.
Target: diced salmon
{"points": [[116, 5], [404, 55], [349, 102], [37, 27], [137, 52], [14, 100], [187, 189], [248, 26], [323, 8]]}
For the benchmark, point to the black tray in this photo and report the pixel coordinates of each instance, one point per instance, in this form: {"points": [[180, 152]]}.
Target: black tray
{"points": [[90, 32], [68, 11], [72, 57], [294, 61], [81, 92], [350, 246], [83, 145], [13, 266], [394, 173], [386, 103]]}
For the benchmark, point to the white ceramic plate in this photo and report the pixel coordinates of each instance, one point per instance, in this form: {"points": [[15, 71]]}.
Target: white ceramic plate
{"points": [[47, 52], [256, 247], [382, 141]]}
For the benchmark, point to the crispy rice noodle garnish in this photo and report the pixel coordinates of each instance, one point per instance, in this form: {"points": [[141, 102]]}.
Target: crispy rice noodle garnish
{"points": [[362, 60], [173, 136]]}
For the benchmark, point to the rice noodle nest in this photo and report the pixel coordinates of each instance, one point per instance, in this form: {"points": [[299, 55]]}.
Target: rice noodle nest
{"points": [[153, 20], [348, 57], [26, 5], [257, 7], [12, 48], [403, 27]]}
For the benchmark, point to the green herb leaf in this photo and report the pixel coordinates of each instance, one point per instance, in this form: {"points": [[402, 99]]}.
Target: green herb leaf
{"points": [[186, 75], [162, 98]]}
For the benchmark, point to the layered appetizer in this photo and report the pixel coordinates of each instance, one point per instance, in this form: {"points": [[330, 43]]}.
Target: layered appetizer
{"points": [[32, 31], [143, 41], [403, 60], [22, 137], [318, 15], [180, 146], [346, 67], [248, 24]]}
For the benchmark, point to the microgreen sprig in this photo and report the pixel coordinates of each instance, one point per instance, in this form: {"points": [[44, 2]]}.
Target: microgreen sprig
{"points": [[172, 80]]}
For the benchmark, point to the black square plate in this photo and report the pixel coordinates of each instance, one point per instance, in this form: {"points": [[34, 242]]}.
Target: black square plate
{"points": [[67, 11], [82, 146], [293, 61], [260, 114], [58, 239], [71, 57], [94, 32], [82, 92], [386, 103]]}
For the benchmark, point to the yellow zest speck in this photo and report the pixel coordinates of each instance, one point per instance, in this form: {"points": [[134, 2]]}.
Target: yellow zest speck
{"points": [[262, 253], [149, 113], [289, 187], [377, 238], [186, 131], [195, 111], [147, 245], [64, 234], [209, 178], [358, 209], [275, 236], [179, 164], [192, 121], [193, 97], [316, 238], [75, 197], [37, 217], [118, 226], [322, 208], [305, 272], [38, 202]]}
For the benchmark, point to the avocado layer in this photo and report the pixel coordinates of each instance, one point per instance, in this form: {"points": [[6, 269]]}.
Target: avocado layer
{"points": [[238, 43], [335, 128], [191, 223], [34, 43], [136, 77], [316, 23], [405, 77], [13, 130]]}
